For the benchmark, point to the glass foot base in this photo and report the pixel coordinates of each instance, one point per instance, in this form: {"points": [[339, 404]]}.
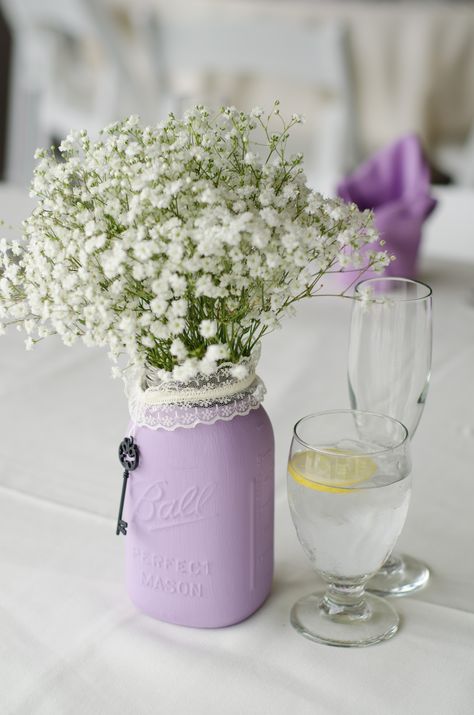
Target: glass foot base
{"points": [[410, 575], [310, 618]]}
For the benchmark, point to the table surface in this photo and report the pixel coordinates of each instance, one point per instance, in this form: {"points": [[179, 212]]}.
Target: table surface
{"points": [[70, 640]]}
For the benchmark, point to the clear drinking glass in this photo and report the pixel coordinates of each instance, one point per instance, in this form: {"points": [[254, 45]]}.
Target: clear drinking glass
{"points": [[389, 371], [348, 490]]}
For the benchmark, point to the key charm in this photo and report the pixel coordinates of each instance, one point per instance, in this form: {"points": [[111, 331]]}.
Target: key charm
{"points": [[128, 456]]}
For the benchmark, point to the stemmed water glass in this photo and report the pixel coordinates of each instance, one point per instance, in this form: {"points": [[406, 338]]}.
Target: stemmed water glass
{"points": [[389, 371], [348, 490]]}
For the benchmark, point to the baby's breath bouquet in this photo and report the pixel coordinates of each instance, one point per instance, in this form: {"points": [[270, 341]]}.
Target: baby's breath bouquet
{"points": [[178, 245]]}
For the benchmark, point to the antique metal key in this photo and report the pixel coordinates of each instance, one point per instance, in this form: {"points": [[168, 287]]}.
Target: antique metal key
{"points": [[128, 456]]}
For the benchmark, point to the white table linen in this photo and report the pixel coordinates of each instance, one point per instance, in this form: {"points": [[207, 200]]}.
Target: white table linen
{"points": [[70, 641]]}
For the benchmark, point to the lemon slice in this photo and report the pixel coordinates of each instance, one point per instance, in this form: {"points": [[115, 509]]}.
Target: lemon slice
{"points": [[328, 473]]}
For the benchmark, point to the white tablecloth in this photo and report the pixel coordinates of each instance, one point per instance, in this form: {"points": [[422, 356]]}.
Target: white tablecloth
{"points": [[70, 641]]}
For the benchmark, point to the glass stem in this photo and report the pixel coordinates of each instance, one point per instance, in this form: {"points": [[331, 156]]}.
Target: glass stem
{"points": [[345, 600]]}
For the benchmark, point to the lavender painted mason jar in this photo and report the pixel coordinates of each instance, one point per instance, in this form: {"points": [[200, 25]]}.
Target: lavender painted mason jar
{"points": [[199, 507]]}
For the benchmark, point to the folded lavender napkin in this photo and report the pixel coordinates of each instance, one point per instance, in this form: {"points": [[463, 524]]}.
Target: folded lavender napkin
{"points": [[395, 183]]}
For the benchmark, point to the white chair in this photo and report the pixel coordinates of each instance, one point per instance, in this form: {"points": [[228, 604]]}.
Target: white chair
{"points": [[69, 71], [310, 54]]}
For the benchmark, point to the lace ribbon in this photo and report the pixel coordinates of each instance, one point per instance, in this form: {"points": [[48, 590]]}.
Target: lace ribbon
{"points": [[203, 400]]}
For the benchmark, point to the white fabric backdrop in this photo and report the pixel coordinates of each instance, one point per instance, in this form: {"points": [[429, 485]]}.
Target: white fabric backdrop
{"points": [[71, 643]]}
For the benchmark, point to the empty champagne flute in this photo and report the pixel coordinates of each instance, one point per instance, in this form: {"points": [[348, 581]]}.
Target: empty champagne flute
{"points": [[389, 370], [348, 491]]}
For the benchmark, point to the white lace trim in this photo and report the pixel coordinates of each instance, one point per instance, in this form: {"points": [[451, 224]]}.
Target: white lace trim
{"points": [[203, 400], [190, 395]]}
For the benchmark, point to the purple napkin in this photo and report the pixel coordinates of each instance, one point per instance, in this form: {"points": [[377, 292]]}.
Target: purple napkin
{"points": [[395, 183]]}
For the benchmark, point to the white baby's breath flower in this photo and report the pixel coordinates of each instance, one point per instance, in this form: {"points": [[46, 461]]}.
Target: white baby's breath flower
{"points": [[179, 308], [158, 306], [145, 320], [178, 349], [182, 373], [153, 241], [270, 216], [298, 118], [208, 328], [207, 366], [239, 372], [186, 371], [217, 352], [267, 196], [159, 330], [147, 342], [176, 326], [344, 260], [178, 284]]}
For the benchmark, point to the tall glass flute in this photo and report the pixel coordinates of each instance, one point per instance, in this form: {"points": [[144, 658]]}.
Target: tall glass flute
{"points": [[389, 371], [348, 490]]}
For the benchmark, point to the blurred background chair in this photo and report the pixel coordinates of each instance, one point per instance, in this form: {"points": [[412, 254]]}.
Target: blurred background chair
{"points": [[363, 73], [69, 69], [311, 56]]}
